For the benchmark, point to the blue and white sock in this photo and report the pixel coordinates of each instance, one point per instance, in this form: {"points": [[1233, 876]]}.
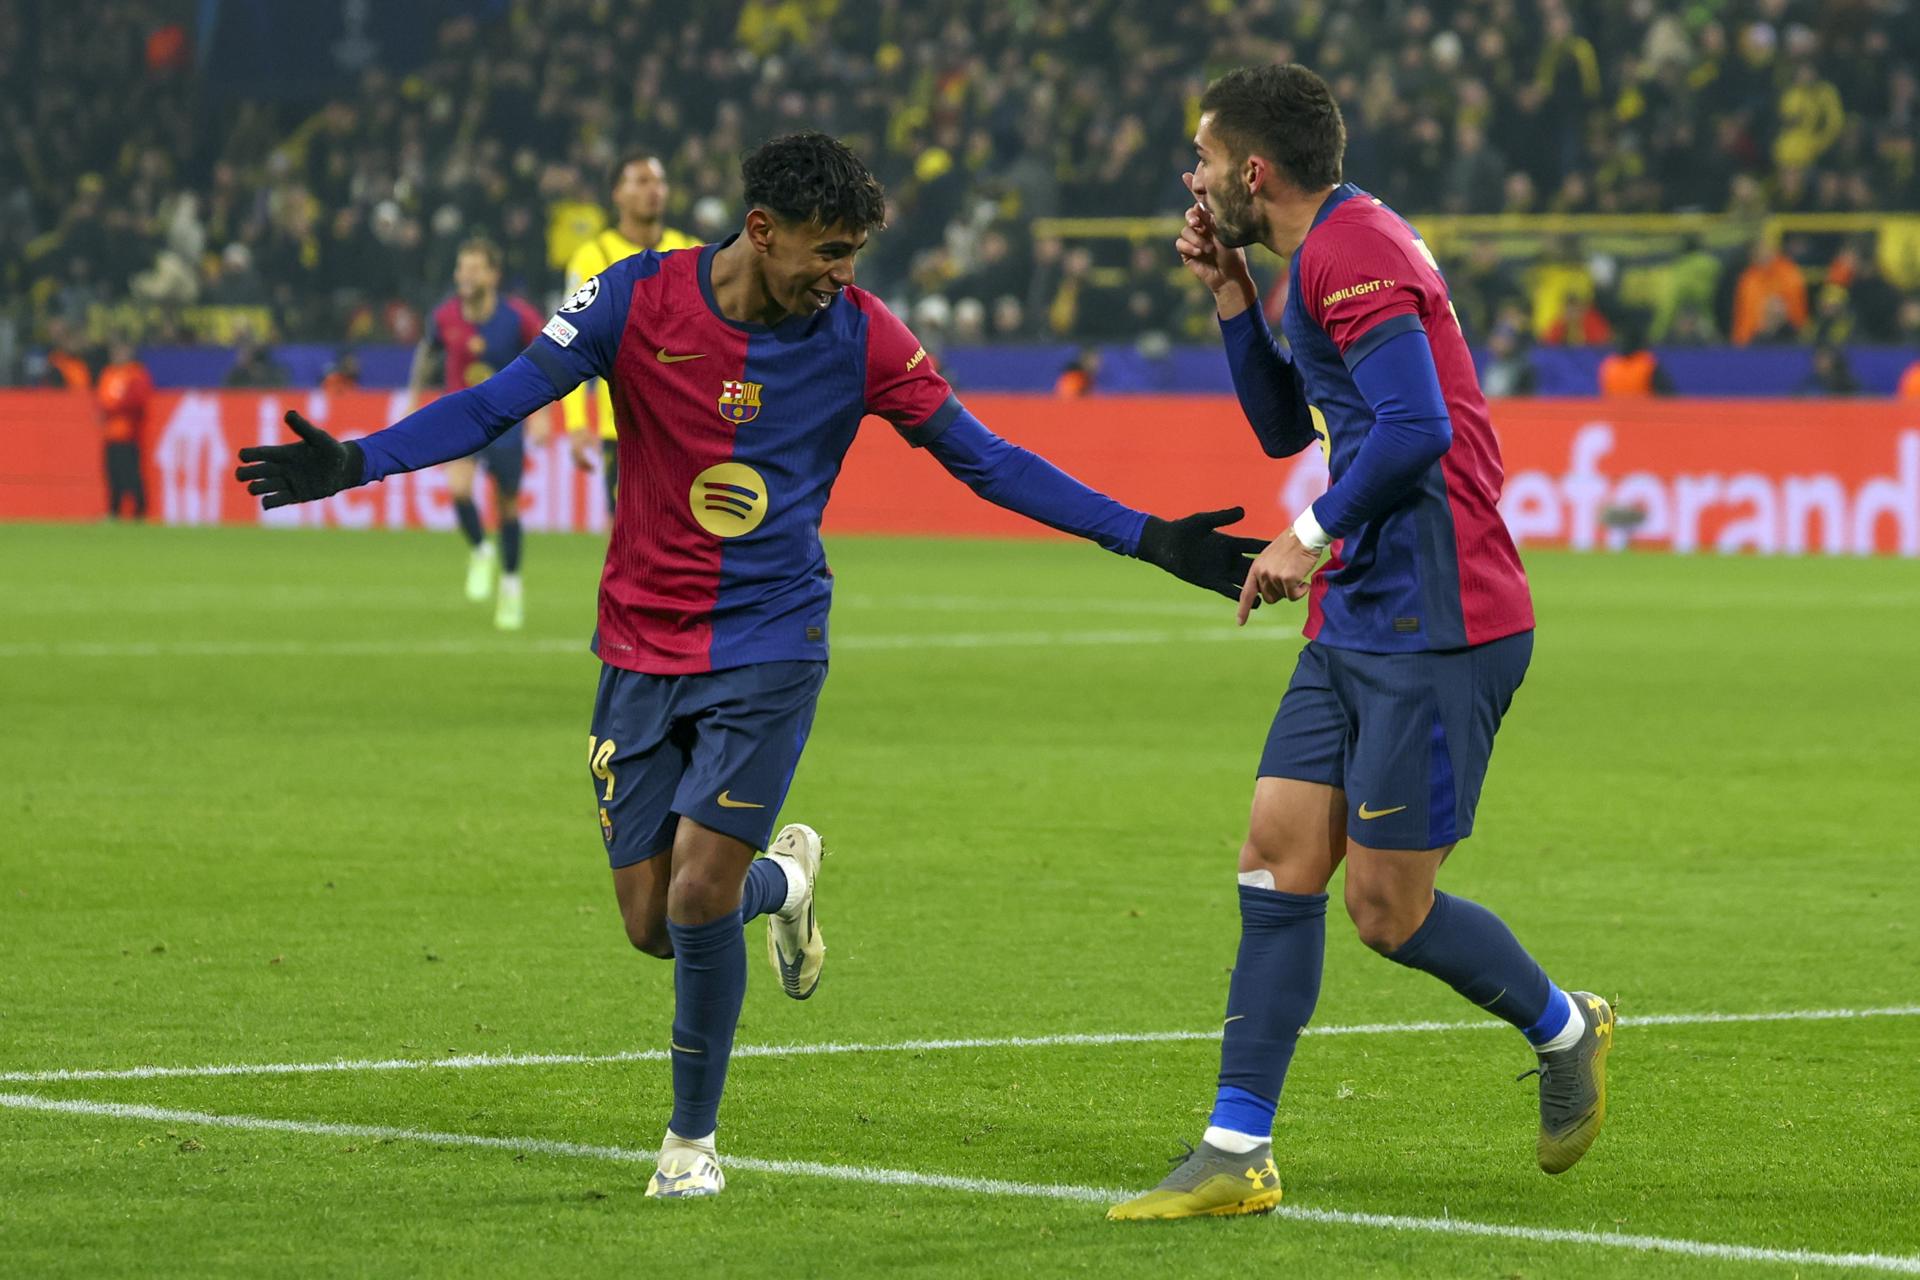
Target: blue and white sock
{"points": [[709, 982], [766, 890], [1470, 949], [1275, 985]]}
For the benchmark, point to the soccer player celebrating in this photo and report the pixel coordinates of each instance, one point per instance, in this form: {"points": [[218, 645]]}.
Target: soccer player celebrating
{"points": [[472, 334], [639, 206], [739, 375], [1419, 630]]}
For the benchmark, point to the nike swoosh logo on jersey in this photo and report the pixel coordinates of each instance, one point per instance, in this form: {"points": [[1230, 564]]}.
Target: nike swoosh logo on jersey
{"points": [[1367, 815], [662, 356], [726, 802]]}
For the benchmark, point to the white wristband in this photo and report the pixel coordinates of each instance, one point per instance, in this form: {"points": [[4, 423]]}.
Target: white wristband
{"points": [[1306, 527]]}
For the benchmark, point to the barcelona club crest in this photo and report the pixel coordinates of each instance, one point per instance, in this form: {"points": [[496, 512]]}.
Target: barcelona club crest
{"points": [[740, 401]]}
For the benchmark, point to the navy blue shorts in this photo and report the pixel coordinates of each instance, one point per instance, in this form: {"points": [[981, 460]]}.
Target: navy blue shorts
{"points": [[506, 461], [719, 747], [1407, 736]]}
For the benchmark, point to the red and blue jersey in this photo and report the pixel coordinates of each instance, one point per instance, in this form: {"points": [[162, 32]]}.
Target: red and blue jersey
{"points": [[475, 352], [1438, 569], [731, 435]]}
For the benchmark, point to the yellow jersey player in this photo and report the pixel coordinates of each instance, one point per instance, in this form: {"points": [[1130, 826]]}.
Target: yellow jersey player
{"points": [[639, 201]]}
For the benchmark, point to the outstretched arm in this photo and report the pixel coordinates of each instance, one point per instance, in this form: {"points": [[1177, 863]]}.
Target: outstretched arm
{"points": [[578, 343], [905, 388], [1008, 476], [451, 427]]}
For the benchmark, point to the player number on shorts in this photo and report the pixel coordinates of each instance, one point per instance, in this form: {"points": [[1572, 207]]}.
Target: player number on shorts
{"points": [[600, 760]]}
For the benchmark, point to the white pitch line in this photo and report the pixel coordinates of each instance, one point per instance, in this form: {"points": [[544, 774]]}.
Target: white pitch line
{"points": [[870, 1175], [1222, 633], [461, 1062]]}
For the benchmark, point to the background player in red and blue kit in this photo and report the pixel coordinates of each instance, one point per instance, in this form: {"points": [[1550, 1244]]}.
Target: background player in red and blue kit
{"points": [[739, 374], [471, 335], [1419, 628]]}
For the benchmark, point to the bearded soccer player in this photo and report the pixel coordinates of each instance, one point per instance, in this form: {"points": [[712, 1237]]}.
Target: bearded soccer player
{"points": [[739, 373], [471, 334], [639, 205], [1419, 627]]}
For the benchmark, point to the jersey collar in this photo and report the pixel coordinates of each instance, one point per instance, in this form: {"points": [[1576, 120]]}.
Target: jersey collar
{"points": [[1335, 198], [703, 270]]}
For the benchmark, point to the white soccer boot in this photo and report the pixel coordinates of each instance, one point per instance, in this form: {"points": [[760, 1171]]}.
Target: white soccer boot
{"points": [[686, 1170], [794, 946]]}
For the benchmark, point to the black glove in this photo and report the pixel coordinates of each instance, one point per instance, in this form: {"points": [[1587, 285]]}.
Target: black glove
{"points": [[318, 467], [1191, 550]]}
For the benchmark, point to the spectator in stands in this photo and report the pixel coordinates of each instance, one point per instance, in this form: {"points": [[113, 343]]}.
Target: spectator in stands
{"points": [[1687, 295], [1810, 118], [1907, 323], [1580, 324], [1633, 371], [1831, 376], [67, 365], [973, 112], [1832, 316], [238, 284], [1509, 370], [1009, 319], [1477, 174], [124, 396], [1775, 326], [1770, 299], [78, 294], [969, 322], [343, 374], [1872, 300], [254, 365], [1077, 379], [1481, 285]]}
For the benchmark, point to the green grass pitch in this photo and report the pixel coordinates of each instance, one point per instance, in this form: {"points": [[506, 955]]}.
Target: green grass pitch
{"points": [[271, 797]]}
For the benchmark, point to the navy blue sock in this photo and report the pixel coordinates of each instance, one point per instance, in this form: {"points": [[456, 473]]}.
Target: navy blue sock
{"points": [[766, 889], [468, 517], [510, 545], [1471, 949], [1275, 984], [709, 982]]}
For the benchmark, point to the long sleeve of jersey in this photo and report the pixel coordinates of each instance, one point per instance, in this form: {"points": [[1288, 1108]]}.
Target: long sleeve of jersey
{"points": [[1270, 390], [459, 424], [1411, 431], [1009, 476]]}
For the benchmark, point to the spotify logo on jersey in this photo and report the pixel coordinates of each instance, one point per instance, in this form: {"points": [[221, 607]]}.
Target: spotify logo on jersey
{"points": [[729, 500]]}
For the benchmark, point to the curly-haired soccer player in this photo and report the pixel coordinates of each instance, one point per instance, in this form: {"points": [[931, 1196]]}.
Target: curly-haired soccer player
{"points": [[739, 374]]}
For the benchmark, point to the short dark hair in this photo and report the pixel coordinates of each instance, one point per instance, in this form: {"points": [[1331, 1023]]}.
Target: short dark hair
{"points": [[482, 246], [1284, 112], [629, 158], [813, 177]]}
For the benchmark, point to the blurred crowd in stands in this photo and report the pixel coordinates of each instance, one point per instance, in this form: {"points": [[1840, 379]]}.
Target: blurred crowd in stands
{"points": [[137, 200]]}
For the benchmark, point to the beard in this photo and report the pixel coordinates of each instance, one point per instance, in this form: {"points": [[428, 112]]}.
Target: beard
{"points": [[1238, 223]]}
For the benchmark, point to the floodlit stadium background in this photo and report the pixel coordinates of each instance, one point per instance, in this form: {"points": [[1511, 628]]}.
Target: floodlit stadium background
{"points": [[270, 196]]}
